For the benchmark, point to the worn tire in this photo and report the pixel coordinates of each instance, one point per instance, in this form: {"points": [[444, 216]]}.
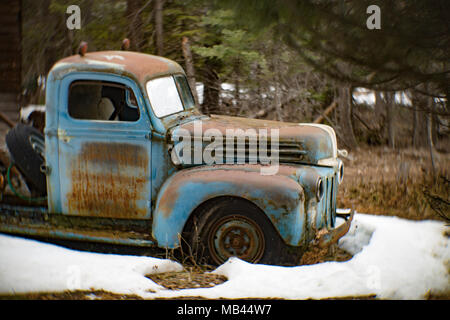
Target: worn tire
{"points": [[230, 226], [25, 144]]}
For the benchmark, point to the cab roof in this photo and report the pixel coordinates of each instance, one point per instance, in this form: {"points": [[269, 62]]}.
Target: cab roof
{"points": [[140, 66]]}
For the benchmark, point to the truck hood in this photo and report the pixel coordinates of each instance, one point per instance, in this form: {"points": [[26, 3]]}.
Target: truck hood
{"points": [[297, 142]]}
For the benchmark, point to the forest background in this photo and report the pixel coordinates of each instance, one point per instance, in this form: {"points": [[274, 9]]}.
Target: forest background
{"points": [[384, 89]]}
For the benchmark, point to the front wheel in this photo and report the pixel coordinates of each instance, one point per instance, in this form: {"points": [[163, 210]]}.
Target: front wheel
{"points": [[235, 235], [233, 227]]}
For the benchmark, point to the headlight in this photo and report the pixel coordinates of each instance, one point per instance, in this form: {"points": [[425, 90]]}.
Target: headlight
{"points": [[174, 156], [341, 172], [319, 189]]}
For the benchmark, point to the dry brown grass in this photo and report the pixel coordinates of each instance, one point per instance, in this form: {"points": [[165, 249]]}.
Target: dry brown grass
{"points": [[187, 279], [71, 295], [394, 182]]}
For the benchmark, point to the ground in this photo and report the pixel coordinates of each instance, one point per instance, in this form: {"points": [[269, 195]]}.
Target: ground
{"points": [[395, 182]]}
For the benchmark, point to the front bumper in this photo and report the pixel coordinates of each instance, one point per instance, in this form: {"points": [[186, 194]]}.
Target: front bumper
{"points": [[325, 237]]}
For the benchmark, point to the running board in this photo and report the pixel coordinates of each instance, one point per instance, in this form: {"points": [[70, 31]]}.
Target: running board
{"points": [[93, 236], [35, 221]]}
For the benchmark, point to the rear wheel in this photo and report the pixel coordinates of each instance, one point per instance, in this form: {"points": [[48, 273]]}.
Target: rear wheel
{"points": [[232, 227]]}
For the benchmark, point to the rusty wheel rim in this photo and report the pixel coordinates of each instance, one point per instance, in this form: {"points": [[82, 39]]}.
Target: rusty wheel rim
{"points": [[236, 236]]}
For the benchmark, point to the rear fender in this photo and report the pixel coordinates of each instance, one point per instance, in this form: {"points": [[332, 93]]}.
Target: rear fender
{"points": [[280, 197]]}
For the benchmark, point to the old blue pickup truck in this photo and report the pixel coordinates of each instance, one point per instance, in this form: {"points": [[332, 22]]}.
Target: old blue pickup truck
{"points": [[127, 158]]}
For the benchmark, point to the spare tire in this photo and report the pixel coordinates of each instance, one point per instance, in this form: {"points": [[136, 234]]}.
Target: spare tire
{"points": [[27, 148]]}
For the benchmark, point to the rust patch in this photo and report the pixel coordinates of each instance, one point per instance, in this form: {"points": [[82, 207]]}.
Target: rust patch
{"points": [[108, 180], [313, 142], [325, 237], [238, 177], [287, 130], [116, 154]]}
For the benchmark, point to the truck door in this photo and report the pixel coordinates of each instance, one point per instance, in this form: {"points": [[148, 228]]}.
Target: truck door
{"points": [[104, 148]]}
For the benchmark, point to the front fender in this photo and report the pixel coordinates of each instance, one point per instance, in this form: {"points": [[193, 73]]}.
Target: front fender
{"points": [[279, 196]]}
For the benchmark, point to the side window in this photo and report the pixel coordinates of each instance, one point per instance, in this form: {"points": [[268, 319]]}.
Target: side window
{"points": [[185, 91], [99, 100]]}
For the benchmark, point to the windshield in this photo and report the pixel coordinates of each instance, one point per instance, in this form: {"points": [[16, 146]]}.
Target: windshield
{"points": [[169, 95]]}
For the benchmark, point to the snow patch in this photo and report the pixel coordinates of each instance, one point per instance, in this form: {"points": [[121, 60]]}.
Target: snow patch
{"points": [[32, 266], [25, 112], [393, 259]]}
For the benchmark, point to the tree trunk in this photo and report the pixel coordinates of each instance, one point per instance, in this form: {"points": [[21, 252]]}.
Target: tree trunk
{"points": [[389, 106], [345, 116], [430, 134], [187, 54], [237, 84], [135, 32], [419, 122], [159, 27], [211, 88], [379, 107], [277, 101], [414, 127], [277, 93], [327, 111]]}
